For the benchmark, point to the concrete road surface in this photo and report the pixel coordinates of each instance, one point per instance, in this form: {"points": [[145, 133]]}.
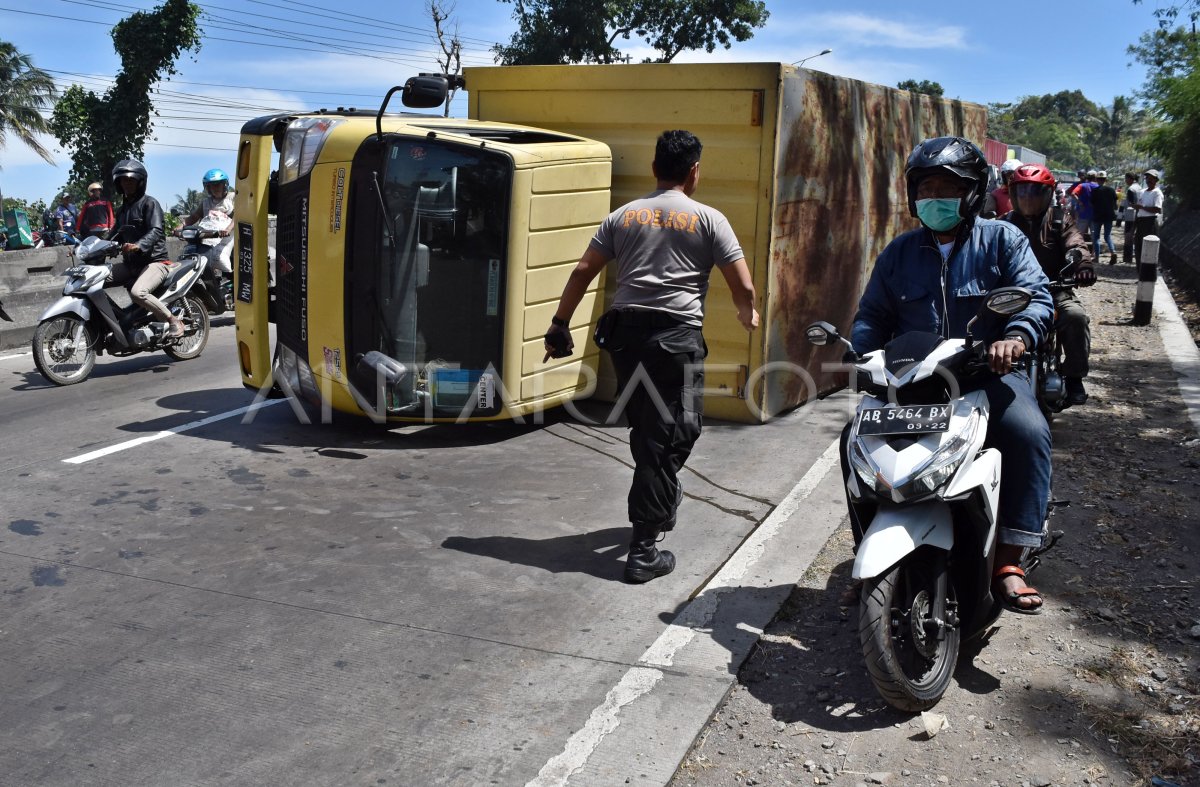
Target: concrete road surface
{"points": [[194, 597]]}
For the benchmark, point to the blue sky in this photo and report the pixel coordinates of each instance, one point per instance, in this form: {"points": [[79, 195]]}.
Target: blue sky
{"points": [[244, 69]]}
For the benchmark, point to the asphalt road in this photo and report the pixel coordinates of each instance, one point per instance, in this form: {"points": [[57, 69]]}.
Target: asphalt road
{"points": [[194, 599]]}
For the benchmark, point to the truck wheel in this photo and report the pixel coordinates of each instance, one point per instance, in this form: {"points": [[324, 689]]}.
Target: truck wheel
{"points": [[195, 337], [909, 663], [64, 349]]}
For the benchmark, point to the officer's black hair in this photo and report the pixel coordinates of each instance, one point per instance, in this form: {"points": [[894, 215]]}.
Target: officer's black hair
{"points": [[674, 155]]}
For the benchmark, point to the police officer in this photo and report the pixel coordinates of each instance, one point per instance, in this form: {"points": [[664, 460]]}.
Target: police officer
{"points": [[665, 246]]}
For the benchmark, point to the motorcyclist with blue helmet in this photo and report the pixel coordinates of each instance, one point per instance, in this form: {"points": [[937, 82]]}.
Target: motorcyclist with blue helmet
{"points": [[934, 279], [217, 197]]}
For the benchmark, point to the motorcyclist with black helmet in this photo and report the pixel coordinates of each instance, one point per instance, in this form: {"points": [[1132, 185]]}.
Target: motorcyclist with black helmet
{"points": [[934, 279], [1053, 234], [145, 262]]}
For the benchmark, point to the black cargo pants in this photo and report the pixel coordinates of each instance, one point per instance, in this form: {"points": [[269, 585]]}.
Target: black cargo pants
{"points": [[660, 375]]}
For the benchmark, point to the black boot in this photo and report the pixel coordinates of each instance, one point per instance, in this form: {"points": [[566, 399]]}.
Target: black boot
{"points": [[1076, 393], [669, 525], [646, 561]]}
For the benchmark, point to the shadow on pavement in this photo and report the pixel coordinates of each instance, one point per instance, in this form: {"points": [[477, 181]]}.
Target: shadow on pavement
{"points": [[600, 553], [32, 380]]}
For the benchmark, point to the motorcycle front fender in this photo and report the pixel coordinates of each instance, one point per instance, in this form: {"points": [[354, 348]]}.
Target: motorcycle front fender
{"points": [[68, 304], [897, 531]]}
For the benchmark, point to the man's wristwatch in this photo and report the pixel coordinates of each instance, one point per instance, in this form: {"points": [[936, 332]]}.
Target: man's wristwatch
{"points": [[1019, 337], [556, 320]]}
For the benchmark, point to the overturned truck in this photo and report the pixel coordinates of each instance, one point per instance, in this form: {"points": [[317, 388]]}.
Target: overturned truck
{"points": [[421, 258], [808, 167]]}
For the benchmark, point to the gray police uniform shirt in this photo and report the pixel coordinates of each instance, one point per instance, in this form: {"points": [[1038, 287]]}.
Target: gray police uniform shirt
{"points": [[666, 245]]}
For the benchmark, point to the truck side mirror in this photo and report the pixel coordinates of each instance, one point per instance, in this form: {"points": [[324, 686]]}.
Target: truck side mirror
{"points": [[425, 91]]}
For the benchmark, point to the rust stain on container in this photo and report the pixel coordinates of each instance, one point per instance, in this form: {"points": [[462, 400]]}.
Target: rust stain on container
{"points": [[840, 199]]}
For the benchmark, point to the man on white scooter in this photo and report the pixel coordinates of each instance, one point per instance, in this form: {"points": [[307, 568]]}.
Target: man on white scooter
{"points": [[217, 197], [934, 279]]}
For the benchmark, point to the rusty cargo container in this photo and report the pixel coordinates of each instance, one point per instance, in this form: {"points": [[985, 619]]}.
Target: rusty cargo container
{"points": [[807, 166]]}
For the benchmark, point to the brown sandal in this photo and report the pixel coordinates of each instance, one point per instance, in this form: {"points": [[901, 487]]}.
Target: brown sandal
{"points": [[1009, 600]]}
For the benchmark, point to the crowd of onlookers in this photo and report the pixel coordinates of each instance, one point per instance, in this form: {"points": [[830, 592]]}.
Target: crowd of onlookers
{"points": [[65, 224], [1098, 206]]}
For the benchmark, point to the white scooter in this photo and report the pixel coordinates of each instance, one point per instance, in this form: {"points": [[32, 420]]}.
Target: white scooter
{"points": [[204, 239], [923, 496], [86, 321]]}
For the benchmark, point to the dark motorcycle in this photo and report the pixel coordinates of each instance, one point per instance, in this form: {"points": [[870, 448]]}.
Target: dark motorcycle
{"points": [[1044, 367], [86, 321]]}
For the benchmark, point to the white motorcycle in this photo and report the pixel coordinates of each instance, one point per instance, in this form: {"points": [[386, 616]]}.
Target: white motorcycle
{"points": [[204, 239], [86, 321], [923, 494]]}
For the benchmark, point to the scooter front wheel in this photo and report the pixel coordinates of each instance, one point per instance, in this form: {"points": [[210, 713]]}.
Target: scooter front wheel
{"points": [[64, 349], [909, 646]]}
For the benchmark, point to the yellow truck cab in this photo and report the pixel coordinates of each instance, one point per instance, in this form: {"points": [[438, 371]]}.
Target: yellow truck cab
{"points": [[409, 282]]}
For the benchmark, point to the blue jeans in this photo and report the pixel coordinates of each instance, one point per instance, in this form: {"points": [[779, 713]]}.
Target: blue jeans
{"points": [[1017, 428], [1107, 227]]}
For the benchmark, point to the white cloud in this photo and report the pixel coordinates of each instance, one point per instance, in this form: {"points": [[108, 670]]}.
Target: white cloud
{"points": [[877, 31]]}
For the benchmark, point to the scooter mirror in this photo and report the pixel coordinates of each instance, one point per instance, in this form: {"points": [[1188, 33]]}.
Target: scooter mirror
{"points": [[1007, 301], [821, 333]]}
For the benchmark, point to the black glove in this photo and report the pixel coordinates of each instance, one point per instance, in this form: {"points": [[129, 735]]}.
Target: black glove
{"points": [[1085, 275], [559, 343]]}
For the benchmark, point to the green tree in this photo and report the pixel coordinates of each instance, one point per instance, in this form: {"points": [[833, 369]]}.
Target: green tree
{"points": [[33, 210], [102, 130], [551, 32], [1171, 55], [187, 202], [924, 86], [25, 91]]}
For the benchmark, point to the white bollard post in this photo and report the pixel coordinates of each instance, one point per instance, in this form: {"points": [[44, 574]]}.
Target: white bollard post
{"points": [[1147, 275]]}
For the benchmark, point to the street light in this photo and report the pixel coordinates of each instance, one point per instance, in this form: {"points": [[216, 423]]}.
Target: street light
{"points": [[810, 57]]}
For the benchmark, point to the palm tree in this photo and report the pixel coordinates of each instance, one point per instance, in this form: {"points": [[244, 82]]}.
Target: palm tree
{"points": [[24, 92]]}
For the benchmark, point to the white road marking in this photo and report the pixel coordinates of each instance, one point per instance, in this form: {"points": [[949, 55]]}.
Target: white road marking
{"points": [[695, 616], [112, 449], [14, 355], [1181, 349]]}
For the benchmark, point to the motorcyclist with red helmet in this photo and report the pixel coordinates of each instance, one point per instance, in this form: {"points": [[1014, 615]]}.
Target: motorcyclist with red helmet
{"points": [[1053, 234]]}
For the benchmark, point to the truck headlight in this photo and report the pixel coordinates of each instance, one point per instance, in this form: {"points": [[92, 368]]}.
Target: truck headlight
{"points": [[302, 144], [296, 376]]}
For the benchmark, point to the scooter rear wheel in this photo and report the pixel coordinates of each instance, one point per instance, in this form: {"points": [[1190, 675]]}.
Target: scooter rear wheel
{"points": [[910, 665], [193, 341], [64, 349]]}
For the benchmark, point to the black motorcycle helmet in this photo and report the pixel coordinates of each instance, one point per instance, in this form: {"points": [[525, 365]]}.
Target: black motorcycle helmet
{"points": [[131, 168], [953, 155]]}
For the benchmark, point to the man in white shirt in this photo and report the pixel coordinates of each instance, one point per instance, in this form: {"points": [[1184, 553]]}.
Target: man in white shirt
{"points": [[1149, 208]]}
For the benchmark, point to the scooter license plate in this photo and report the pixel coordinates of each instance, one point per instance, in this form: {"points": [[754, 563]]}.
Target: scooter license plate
{"points": [[914, 419]]}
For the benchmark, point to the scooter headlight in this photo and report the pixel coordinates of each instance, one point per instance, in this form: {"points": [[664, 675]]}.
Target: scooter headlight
{"points": [[869, 478], [943, 464]]}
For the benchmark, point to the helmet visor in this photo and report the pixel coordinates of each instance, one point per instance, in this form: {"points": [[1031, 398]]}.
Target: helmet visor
{"points": [[1030, 199]]}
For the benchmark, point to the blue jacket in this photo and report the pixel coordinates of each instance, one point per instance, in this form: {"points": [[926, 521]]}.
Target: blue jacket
{"points": [[905, 291]]}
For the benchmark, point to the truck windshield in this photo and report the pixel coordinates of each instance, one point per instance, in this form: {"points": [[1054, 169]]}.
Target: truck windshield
{"points": [[437, 273]]}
